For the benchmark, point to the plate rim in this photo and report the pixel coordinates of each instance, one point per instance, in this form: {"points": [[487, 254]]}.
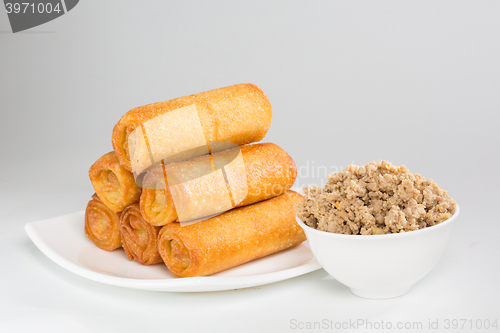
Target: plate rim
{"points": [[190, 284]]}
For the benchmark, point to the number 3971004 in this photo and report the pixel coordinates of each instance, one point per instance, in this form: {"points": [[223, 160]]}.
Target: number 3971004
{"points": [[29, 7]]}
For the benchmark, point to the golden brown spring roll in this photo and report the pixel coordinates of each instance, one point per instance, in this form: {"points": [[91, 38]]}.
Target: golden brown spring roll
{"points": [[239, 114], [139, 237], [114, 185], [231, 239], [102, 225], [268, 169]]}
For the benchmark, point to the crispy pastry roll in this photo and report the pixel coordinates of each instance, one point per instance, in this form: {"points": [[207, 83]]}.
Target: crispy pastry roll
{"points": [[265, 171], [102, 225], [114, 185], [238, 114], [139, 237], [231, 239]]}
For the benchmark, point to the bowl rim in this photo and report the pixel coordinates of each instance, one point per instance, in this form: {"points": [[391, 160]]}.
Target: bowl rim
{"points": [[304, 226]]}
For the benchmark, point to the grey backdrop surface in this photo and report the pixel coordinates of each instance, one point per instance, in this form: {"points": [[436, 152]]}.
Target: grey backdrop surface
{"points": [[415, 83]]}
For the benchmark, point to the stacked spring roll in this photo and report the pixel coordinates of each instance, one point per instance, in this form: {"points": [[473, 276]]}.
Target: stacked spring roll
{"points": [[239, 114], [207, 198], [231, 239], [268, 170]]}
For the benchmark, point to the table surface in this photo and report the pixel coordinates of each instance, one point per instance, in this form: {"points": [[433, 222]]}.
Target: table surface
{"points": [[350, 82]]}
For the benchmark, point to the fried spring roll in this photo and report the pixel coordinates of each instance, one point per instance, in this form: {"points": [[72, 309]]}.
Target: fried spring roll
{"points": [[139, 237], [102, 225], [231, 239], [114, 185], [238, 114], [268, 169]]}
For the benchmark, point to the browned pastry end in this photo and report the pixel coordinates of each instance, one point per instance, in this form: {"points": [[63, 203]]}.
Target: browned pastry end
{"points": [[114, 184], [102, 225], [139, 237]]}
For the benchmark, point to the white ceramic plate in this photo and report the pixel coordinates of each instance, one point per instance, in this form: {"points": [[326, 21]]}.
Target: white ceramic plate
{"points": [[63, 240]]}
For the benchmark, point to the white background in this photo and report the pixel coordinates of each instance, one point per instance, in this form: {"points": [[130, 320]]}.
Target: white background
{"points": [[413, 82]]}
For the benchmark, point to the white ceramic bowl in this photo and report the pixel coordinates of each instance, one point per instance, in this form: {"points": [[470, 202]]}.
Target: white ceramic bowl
{"points": [[380, 266]]}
